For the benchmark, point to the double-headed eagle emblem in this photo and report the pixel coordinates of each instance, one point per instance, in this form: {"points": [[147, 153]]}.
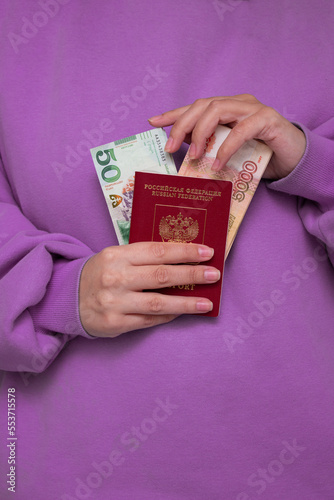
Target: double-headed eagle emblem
{"points": [[178, 229]]}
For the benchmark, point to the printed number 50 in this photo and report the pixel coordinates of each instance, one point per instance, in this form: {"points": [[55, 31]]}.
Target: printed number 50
{"points": [[108, 168]]}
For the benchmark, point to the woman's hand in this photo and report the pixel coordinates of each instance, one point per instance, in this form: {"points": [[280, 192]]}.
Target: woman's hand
{"points": [[111, 296], [249, 119]]}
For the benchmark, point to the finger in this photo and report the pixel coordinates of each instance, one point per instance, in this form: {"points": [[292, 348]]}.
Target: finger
{"points": [[225, 111], [185, 118], [129, 322], [147, 253], [185, 123], [150, 303], [168, 117], [155, 277], [256, 126], [140, 321]]}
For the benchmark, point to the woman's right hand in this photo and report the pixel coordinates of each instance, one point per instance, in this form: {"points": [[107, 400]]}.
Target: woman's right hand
{"points": [[112, 299]]}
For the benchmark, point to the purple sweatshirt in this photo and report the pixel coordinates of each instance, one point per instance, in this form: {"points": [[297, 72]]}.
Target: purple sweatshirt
{"points": [[238, 407]]}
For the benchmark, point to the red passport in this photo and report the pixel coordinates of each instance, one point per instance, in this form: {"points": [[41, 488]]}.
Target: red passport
{"points": [[172, 208]]}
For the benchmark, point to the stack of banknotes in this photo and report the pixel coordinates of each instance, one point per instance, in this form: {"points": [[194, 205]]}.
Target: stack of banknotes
{"points": [[245, 169], [117, 162]]}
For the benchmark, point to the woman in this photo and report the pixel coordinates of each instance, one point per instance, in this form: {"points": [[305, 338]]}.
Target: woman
{"points": [[195, 408]]}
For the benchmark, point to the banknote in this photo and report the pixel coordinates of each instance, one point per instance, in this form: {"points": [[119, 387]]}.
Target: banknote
{"points": [[116, 164], [244, 169]]}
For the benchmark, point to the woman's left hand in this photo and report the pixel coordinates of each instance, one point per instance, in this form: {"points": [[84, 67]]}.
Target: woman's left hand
{"points": [[248, 118]]}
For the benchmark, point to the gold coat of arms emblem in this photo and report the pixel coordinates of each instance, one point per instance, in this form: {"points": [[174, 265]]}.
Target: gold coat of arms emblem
{"points": [[178, 229]]}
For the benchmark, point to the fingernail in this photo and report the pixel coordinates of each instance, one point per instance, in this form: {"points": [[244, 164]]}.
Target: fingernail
{"points": [[157, 117], [211, 275], [192, 151], [205, 251], [217, 165], [169, 145], [204, 305]]}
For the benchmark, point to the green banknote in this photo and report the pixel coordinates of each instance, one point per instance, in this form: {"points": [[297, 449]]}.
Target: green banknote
{"points": [[116, 164]]}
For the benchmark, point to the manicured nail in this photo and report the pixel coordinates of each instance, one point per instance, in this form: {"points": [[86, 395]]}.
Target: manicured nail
{"points": [[217, 165], [204, 305], [153, 118], [192, 151], [211, 275], [205, 251], [169, 145]]}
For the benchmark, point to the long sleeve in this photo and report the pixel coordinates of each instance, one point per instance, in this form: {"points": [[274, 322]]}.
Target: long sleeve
{"points": [[39, 277], [313, 182]]}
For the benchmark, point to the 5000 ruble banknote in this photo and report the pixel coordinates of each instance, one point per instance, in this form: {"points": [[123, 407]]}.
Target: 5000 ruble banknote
{"points": [[116, 164], [244, 169]]}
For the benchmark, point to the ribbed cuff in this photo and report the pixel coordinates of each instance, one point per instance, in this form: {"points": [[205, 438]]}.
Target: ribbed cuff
{"points": [[313, 177], [59, 309]]}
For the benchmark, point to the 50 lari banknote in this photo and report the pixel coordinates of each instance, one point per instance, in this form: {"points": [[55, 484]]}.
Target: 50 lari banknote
{"points": [[244, 169], [116, 164]]}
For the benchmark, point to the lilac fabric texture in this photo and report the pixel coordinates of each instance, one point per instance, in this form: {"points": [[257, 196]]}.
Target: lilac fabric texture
{"points": [[237, 407]]}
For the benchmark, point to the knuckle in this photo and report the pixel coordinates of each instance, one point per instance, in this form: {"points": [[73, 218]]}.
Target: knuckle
{"points": [[128, 281], [200, 102], [108, 280], [271, 119], [107, 255], [189, 251], [268, 112], [155, 304], [104, 299], [249, 97], [276, 116], [193, 274], [114, 324], [148, 320], [216, 105], [158, 249], [161, 275]]}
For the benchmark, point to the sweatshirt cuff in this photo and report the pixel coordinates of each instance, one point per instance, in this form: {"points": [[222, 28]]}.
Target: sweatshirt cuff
{"points": [[59, 309], [313, 177]]}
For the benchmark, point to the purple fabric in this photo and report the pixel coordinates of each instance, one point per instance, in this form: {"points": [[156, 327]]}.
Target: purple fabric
{"points": [[234, 408]]}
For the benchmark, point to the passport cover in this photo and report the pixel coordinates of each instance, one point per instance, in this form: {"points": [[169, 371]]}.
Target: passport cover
{"points": [[172, 208]]}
